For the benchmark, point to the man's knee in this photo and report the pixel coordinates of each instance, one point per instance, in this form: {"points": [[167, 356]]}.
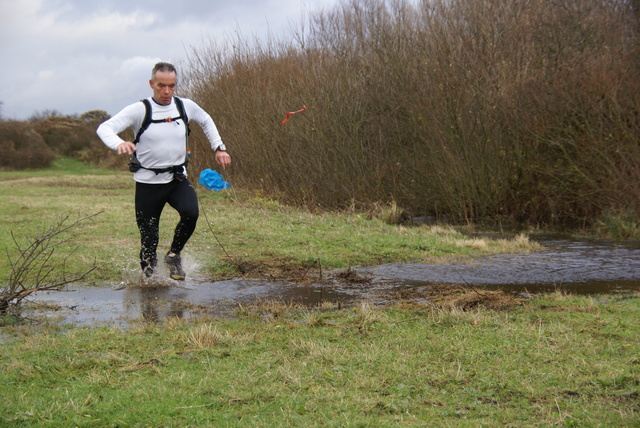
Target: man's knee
{"points": [[190, 214]]}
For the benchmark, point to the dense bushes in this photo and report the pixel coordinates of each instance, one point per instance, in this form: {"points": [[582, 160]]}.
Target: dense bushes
{"points": [[36, 143], [21, 147], [520, 110]]}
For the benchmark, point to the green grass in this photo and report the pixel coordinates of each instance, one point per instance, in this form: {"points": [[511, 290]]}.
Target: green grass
{"points": [[552, 360], [249, 230], [556, 360]]}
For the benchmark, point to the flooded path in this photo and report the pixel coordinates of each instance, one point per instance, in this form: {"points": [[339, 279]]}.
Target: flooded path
{"points": [[575, 266]]}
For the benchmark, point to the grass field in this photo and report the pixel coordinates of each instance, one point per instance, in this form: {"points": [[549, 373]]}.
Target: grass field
{"points": [[554, 359]]}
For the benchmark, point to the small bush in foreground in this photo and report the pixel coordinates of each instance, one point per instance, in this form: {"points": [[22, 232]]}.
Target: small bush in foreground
{"points": [[39, 266]]}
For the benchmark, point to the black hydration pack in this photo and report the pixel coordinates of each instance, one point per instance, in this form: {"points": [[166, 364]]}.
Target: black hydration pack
{"points": [[177, 170]]}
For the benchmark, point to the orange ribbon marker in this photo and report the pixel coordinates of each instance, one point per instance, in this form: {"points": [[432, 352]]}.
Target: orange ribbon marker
{"points": [[293, 112]]}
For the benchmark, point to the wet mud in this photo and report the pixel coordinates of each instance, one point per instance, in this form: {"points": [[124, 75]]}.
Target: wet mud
{"points": [[574, 266]]}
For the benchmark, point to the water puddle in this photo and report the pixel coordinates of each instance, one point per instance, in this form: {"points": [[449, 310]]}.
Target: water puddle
{"points": [[85, 305], [571, 265], [576, 266]]}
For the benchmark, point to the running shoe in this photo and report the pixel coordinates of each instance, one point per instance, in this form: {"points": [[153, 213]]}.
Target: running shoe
{"points": [[174, 263], [148, 267]]}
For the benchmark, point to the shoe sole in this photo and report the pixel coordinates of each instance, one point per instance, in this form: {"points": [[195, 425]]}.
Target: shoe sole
{"points": [[177, 277]]}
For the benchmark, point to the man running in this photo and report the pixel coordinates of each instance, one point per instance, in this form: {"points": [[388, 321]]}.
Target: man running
{"points": [[159, 162]]}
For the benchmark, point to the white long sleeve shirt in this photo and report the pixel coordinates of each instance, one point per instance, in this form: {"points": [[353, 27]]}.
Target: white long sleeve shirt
{"points": [[162, 144]]}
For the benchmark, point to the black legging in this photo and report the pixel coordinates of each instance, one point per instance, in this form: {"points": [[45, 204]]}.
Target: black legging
{"points": [[150, 201]]}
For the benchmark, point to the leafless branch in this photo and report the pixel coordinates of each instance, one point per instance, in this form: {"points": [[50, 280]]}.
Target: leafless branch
{"points": [[41, 264]]}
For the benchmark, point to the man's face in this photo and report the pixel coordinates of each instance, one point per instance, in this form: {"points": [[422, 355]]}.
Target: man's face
{"points": [[164, 85]]}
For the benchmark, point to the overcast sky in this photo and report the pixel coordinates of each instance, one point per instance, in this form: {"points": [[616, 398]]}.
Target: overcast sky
{"points": [[73, 56]]}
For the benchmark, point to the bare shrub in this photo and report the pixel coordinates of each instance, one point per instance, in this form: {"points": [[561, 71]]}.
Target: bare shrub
{"points": [[39, 265], [523, 110]]}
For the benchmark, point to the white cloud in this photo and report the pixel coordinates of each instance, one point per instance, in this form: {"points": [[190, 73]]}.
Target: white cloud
{"points": [[131, 67], [76, 55]]}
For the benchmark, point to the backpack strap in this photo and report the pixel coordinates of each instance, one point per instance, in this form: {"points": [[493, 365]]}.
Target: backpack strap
{"points": [[145, 122], [183, 113], [187, 130]]}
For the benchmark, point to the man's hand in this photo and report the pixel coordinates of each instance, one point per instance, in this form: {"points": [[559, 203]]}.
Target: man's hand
{"points": [[126, 147], [223, 159]]}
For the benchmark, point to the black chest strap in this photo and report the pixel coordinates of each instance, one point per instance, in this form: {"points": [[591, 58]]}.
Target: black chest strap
{"points": [[148, 113]]}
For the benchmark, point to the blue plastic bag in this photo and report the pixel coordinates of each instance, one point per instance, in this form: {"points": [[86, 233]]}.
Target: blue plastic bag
{"points": [[212, 180]]}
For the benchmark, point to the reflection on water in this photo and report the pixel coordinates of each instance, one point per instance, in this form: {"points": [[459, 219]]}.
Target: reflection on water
{"points": [[571, 265], [82, 305], [152, 304]]}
